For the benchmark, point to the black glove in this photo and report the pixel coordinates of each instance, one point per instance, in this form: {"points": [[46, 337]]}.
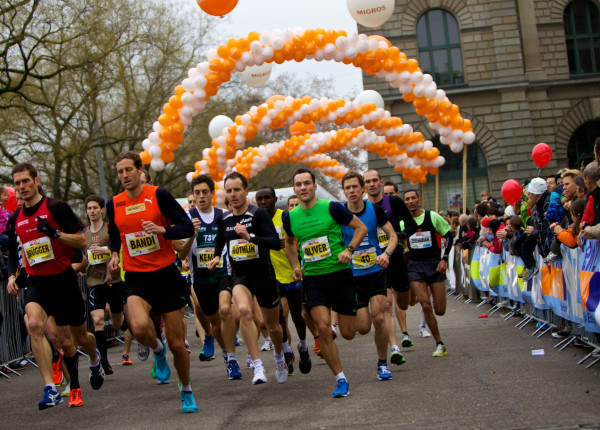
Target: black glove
{"points": [[43, 226]]}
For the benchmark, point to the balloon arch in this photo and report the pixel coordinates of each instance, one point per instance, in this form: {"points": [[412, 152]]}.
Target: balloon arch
{"points": [[373, 54]]}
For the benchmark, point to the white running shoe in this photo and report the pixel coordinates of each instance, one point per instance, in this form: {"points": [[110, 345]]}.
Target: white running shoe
{"points": [[267, 346], [249, 361], [281, 371], [259, 375], [440, 351], [424, 332]]}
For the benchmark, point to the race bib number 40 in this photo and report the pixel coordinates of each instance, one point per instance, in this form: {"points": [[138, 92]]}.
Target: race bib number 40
{"points": [[421, 240], [38, 250], [204, 256], [316, 249], [382, 238], [364, 258], [141, 243], [242, 250], [97, 259]]}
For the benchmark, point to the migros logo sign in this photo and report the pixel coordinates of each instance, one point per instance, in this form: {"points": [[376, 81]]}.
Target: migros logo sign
{"points": [[371, 10]]}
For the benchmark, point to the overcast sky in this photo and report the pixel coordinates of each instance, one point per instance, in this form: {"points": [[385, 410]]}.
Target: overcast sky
{"points": [[268, 15]]}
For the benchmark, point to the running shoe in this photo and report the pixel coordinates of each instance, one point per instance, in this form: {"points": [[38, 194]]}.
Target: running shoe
{"points": [[126, 360], [383, 373], [238, 340], [531, 272], [188, 403], [96, 375], [523, 273], [440, 350], [423, 332], [152, 371], [233, 370], [108, 370], [290, 359], [57, 374], [281, 371], [75, 399], [249, 361], [267, 346], [66, 392], [396, 356], [342, 389], [317, 350], [406, 342], [51, 398], [334, 331], [305, 364], [552, 257], [161, 366], [187, 346], [143, 352], [259, 375], [208, 350]]}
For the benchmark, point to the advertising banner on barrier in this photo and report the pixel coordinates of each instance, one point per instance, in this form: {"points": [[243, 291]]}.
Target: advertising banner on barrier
{"points": [[560, 286], [475, 277], [588, 264], [514, 266]]}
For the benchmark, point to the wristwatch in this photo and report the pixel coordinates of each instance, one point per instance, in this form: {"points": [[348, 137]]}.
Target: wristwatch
{"points": [[57, 235], [388, 252], [351, 248]]}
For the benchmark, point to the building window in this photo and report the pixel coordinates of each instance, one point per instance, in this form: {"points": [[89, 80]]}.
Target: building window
{"points": [[439, 47], [581, 144], [582, 33]]}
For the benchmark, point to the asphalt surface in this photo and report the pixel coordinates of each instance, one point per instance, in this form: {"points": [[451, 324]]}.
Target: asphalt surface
{"points": [[489, 379]]}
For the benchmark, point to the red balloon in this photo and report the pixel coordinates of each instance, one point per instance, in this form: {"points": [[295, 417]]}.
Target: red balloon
{"points": [[11, 200], [511, 191], [541, 154], [217, 7]]}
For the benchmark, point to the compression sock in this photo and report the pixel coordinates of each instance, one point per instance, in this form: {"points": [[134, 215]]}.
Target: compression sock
{"points": [[72, 364]]}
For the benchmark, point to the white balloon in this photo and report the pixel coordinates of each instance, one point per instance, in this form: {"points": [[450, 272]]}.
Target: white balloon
{"points": [[146, 144], [217, 124], [371, 13], [157, 164], [156, 126], [469, 137], [154, 138], [189, 176], [370, 96], [256, 76]]}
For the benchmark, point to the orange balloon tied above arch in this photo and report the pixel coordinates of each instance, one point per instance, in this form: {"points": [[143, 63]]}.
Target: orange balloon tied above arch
{"points": [[300, 128], [217, 7]]}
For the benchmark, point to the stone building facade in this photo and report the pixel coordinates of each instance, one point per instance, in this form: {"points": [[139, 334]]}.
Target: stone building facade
{"points": [[516, 77]]}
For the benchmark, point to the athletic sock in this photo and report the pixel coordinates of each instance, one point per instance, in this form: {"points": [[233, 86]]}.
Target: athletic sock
{"points": [[94, 363], [340, 376], [405, 332], [439, 343], [101, 343], [159, 347], [257, 363], [72, 364], [302, 345], [382, 363], [423, 322], [55, 353], [278, 357], [231, 356], [124, 326], [51, 386], [187, 388], [286, 347]]}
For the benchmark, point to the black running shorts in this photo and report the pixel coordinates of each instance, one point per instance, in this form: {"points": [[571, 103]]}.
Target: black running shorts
{"points": [[335, 290], [101, 294], [424, 271], [265, 289], [368, 286], [208, 294], [397, 273], [164, 289]]}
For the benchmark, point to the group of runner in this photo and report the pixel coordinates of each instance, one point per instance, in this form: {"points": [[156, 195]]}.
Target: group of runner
{"points": [[260, 263]]}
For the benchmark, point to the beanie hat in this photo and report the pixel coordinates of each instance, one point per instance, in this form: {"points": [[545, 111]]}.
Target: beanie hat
{"points": [[494, 225], [537, 186], [485, 222]]}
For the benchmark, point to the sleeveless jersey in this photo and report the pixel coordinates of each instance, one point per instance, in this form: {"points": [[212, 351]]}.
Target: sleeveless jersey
{"points": [[319, 238], [393, 218], [43, 256], [96, 271], [426, 243], [142, 252], [279, 260], [363, 259], [204, 251]]}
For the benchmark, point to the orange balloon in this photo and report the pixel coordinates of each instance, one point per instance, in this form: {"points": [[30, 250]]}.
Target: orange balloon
{"points": [[275, 98], [301, 128], [146, 159], [217, 7]]}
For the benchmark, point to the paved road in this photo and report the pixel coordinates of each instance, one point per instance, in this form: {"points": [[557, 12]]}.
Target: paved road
{"points": [[489, 379]]}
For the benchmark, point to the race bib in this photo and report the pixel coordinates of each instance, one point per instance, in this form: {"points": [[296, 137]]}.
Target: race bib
{"points": [[278, 229], [242, 250], [38, 250], [421, 240], [382, 238], [97, 259], [204, 256], [316, 249], [364, 258], [141, 243]]}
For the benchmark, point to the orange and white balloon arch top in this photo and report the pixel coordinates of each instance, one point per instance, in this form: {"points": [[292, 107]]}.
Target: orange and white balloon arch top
{"points": [[373, 54]]}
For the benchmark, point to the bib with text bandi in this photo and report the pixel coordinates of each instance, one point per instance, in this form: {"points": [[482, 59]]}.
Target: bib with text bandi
{"points": [[141, 243], [382, 238], [316, 249], [206, 255], [38, 250], [97, 259], [364, 258], [421, 240], [242, 250]]}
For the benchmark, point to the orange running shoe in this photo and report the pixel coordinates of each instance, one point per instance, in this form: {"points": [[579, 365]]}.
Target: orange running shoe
{"points": [[57, 374], [126, 360], [318, 352], [75, 399]]}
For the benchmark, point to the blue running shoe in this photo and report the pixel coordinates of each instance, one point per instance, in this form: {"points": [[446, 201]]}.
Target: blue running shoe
{"points": [[383, 373], [238, 340], [96, 375], [188, 404], [208, 350], [342, 389], [51, 398], [233, 370], [161, 366]]}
